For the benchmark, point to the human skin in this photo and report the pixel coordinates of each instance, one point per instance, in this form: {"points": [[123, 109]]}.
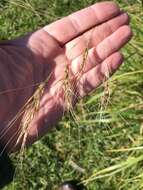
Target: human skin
{"points": [[29, 60]]}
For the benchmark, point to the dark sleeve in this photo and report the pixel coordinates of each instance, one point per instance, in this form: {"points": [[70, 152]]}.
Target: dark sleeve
{"points": [[6, 168]]}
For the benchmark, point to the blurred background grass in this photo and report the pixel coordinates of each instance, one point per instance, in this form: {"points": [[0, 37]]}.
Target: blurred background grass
{"points": [[111, 137]]}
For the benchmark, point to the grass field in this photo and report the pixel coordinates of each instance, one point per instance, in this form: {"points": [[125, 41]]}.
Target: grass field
{"points": [[102, 146]]}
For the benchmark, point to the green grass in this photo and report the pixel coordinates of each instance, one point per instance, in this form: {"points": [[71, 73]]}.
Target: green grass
{"points": [[107, 143]]}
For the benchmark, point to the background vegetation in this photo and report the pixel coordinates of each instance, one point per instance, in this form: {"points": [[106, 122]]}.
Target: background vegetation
{"points": [[103, 147]]}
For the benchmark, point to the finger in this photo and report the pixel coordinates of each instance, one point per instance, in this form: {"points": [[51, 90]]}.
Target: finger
{"points": [[93, 37], [96, 55], [114, 42], [94, 77], [85, 62], [75, 24]]}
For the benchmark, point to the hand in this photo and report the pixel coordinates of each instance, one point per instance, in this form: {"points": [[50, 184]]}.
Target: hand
{"points": [[77, 52]]}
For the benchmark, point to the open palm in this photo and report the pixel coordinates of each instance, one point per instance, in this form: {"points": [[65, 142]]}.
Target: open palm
{"points": [[86, 43]]}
